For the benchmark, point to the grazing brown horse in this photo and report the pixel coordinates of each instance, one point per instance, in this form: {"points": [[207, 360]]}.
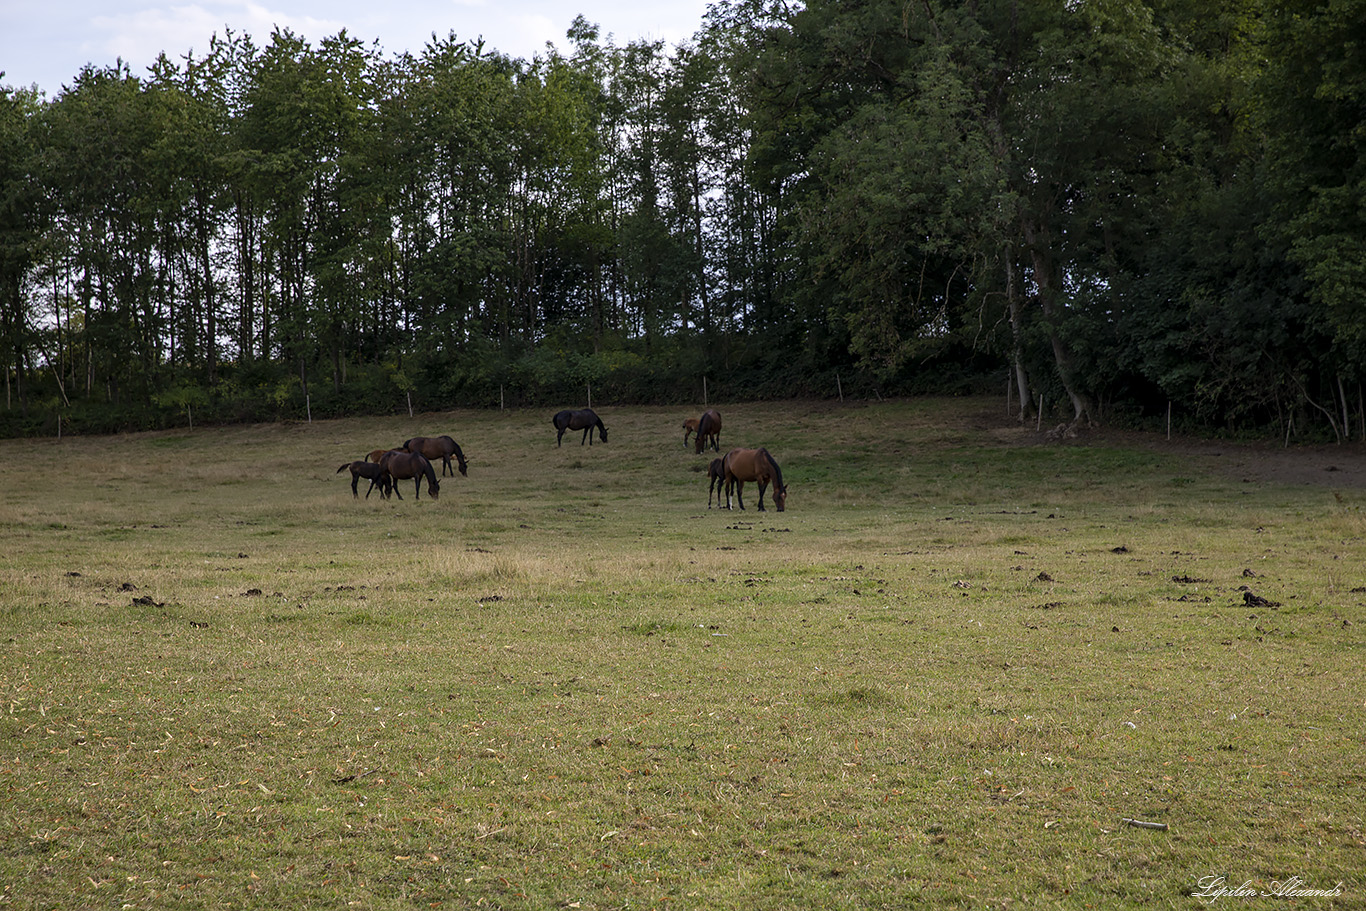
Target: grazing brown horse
{"points": [[716, 477], [584, 420], [741, 465], [709, 430], [442, 447], [689, 428], [371, 470], [377, 454], [398, 465]]}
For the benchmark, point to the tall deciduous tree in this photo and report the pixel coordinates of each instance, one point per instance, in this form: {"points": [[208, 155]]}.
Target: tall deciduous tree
{"points": [[1312, 95], [98, 163], [22, 223], [306, 113]]}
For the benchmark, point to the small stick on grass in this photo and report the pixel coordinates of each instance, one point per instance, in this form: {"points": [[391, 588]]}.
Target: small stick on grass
{"points": [[1159, 826]]}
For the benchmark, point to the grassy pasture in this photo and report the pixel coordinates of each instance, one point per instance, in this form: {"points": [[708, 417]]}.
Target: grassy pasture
{"points": [[945, 676]]}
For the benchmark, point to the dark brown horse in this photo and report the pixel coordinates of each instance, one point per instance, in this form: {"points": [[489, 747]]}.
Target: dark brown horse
{"points": [[689, 428], [709, 430], [741, 465], [442, 447], [584, 420], [398, 465], [369, 470], [716, 478]]}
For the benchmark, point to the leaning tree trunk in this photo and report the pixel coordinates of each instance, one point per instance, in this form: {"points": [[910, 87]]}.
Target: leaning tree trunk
{"points": [[1017, 337], [1046, 277]]}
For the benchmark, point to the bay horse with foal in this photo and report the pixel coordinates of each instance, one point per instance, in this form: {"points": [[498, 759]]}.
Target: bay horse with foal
{"points": [[741, 465]]}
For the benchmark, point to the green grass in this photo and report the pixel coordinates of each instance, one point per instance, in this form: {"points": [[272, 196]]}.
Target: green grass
{"points": [[943, 677]]}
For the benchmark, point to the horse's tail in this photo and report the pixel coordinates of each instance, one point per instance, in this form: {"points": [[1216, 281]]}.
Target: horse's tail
{"points": [[777, 472], [345, 466]]}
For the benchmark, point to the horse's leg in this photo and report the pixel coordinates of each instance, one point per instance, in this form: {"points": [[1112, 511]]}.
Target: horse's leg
{"points": [[739, 488], [393, 487], [355, 481], [587, 437], [763, 485], [559, 436]]}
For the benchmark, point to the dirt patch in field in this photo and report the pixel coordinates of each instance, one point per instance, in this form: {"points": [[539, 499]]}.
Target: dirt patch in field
{"points": [[1323, 466], [1342, 465]]}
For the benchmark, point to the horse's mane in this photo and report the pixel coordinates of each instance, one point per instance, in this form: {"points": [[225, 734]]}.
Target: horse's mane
{"points": [[459, 456], [777, 472]]}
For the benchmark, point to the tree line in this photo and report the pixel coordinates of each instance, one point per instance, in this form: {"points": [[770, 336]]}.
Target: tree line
{"points": [[1109, 209]]}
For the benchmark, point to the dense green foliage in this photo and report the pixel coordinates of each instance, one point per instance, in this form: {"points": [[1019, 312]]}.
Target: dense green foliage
{"points": [[1123, 206]]}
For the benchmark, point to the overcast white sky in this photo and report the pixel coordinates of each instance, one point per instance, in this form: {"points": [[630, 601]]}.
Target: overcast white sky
{"points": [[46, 42]]}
